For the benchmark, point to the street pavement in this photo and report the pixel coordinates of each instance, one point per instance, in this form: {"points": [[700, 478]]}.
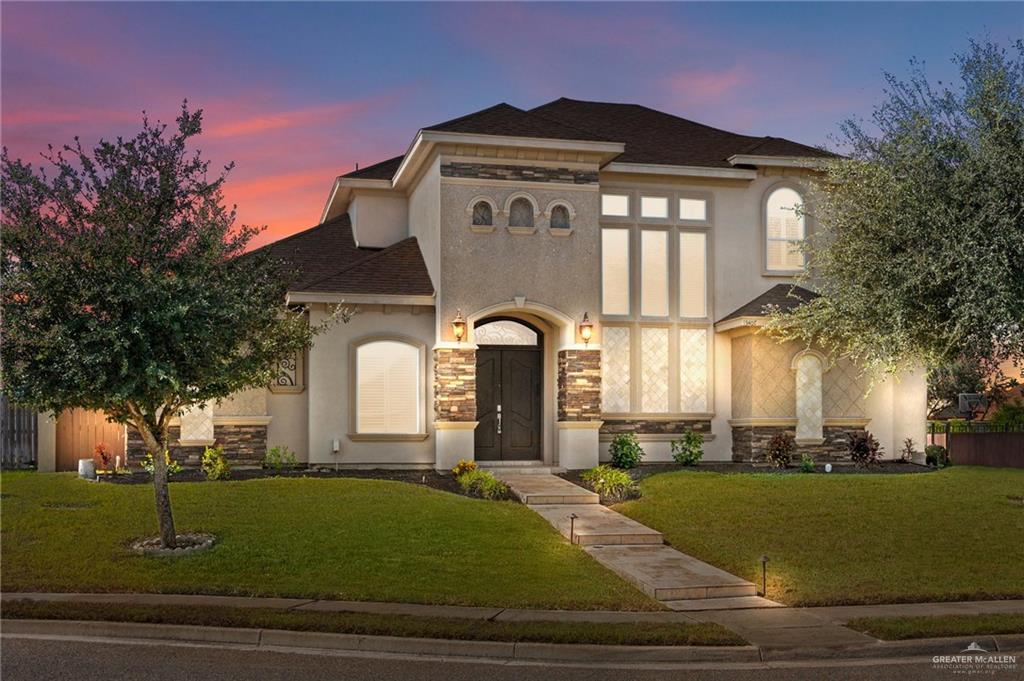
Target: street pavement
{"points": [[69, 660]]}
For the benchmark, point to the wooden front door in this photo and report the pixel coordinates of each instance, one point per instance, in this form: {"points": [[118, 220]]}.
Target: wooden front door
{"points": [[509, 384], [78, 433]]}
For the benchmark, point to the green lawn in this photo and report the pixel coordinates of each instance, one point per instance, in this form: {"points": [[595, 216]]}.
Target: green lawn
{"points": [[834, 539], [333, 538], [369, 624], [903, 628]]}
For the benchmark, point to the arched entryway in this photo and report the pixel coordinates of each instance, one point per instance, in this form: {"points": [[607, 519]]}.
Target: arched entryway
{"points": [[509, 390]]}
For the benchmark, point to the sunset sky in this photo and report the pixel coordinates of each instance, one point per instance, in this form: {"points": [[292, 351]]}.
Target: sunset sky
{"points": [[296, 94]]}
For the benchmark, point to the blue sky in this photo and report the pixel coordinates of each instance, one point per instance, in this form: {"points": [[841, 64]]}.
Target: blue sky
{"points": [[297, 93]]}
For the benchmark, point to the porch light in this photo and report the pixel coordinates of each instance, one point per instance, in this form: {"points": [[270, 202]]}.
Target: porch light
{"points": [[586, 329], [459, 326]]}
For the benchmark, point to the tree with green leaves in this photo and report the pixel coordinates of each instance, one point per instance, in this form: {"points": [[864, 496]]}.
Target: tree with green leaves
{"points": [[920, 252], [127, 287]]}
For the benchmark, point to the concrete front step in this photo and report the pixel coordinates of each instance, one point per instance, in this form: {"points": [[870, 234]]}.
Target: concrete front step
{"points": [[500, 468], [668, 575], [732, 603], [533, 489], [594, 524]]}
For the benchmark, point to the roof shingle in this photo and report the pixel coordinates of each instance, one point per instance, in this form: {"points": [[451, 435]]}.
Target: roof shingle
{"points": [[785, 297]]}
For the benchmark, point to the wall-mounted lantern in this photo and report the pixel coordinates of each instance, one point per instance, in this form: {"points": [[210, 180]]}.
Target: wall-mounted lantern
{"points": [[459, 326], [586, 329]]}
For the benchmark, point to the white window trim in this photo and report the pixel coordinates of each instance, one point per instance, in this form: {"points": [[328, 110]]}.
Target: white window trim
{"points": [[654, 195], [802, 192], [560, 231], [631, 208], [495, 212], [353, 390]]}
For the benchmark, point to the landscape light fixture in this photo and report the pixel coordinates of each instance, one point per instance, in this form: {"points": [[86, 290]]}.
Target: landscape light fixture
{"points": [[572, 527], [459, 326], [764, 576], [586, 329]]}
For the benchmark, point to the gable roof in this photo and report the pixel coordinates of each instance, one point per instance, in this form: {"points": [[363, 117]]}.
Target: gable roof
{"points": [[327, 260], [656, 137], [785, 297], [507, 120], [378, 171]]}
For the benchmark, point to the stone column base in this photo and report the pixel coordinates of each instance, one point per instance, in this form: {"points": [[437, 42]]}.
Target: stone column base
{"points": [[455, 440], [578, 446]]}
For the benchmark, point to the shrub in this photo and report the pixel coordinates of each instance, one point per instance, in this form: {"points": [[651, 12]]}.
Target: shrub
{"points": [[214, 465], [612, 484], [626, 451], [280, 458], [863, 448], [483, 484], [908, 451], [463, 466], [936, 455], [780, 450], [688, 449], [1009, 415], [806, 463], [103, 452], [173, 467]]}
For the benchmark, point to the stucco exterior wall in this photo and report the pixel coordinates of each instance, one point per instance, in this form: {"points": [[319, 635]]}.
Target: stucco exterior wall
{"points": [[330, 396], [425, 220], [479, 270], [378, 219]]}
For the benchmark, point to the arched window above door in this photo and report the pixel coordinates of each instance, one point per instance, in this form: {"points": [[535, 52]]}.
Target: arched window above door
{"points": [[505, 332]]}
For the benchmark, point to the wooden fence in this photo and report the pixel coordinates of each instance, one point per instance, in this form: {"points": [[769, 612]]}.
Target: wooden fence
{"points": [[979, 443], [19, 435]]}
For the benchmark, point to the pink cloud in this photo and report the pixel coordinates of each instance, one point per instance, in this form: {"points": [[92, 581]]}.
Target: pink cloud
{"points": [[707, 85]]}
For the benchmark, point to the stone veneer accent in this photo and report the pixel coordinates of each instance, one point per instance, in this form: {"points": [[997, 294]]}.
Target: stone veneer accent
{"points": [[655, 427], [454, 384], [244, 445], [579, 385], [493, 171], [749, 443]]}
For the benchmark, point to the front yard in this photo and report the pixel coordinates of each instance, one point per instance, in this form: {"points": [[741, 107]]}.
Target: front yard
{"points": [[955, 534], [332, 538]]}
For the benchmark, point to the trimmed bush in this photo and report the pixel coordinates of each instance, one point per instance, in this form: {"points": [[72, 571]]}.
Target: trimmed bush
{"points": [[626, 451], [936, 455], [483, 484], [173, 467], [279, 459], [806, 463], [780, 450], [612, 484], [688, 449], [214, 465]]}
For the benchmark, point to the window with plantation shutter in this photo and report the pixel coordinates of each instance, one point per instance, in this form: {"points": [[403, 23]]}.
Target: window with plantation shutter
{"points": [[784, 230], [388, 391]]}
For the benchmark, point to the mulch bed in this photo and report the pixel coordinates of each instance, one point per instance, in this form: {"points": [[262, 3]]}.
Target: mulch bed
{"points": [[429, 478]]}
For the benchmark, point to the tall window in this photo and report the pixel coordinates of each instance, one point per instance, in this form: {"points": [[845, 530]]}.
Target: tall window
{"points": [[693, 274], [520, 213], [482, 214], [615, 360], [784, 230], [654, 273], [615, 271], [389, 395]]}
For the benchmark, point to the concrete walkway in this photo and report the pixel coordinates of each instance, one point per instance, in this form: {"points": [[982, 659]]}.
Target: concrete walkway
{"points": [[635, 552]]}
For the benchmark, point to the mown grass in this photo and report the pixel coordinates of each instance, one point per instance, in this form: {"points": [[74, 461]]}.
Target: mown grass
{"points": [[638, 633], [903, 628], [955, 534], [320, 538]]}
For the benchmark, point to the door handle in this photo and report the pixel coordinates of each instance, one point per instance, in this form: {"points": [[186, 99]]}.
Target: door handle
{"points": [[498, 420]]}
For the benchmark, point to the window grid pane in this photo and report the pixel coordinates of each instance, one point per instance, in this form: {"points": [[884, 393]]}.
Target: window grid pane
{"points": [[615, 370], [654, 370], [615, 271], [654, 273], [653, 207], [615, 205], [692, 274], [693, 370], [693, 209]]}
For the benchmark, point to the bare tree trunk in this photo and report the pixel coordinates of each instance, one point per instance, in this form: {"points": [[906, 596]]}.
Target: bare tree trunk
{"points": [[157, 446]]}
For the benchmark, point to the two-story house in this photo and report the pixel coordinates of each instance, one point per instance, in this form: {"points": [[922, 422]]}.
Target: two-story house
{"points": [[529, 283]]}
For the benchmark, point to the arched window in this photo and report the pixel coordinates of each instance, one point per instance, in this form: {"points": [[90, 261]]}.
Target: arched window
{"points": [[482, 213], [784, 230], [388, 386], [809, 417], [560, 217], [520, 213]]}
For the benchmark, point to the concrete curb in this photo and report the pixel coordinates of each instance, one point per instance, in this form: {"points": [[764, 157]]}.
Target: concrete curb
{"points": [[497, 650]]}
